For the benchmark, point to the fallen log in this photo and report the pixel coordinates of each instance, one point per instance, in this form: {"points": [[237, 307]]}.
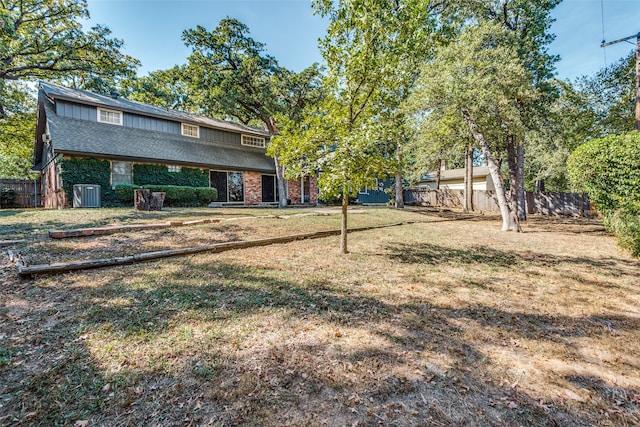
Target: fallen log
{"points": [[11, 242], [111, 229], [30, 271]]}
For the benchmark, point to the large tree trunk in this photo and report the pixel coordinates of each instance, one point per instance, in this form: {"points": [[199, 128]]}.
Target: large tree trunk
{"points": [[270, 122], [509, 220], [468, 179], [399, 191], [343, 225], [438, 174], [141, 199], [281, 183], [513, 178], [522, 198]]}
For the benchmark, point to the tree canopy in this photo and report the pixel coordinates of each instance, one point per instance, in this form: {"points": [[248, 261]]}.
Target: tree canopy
{"points": [[231, 74], [44, 39]]}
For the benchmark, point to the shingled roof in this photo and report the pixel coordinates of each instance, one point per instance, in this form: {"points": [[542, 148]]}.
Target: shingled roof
{"points": [[91, 138], [83, 137], [54, 91]]}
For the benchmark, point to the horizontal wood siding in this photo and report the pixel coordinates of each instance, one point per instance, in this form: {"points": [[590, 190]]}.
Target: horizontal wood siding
{"points": [[27, 192], [564, 204]]}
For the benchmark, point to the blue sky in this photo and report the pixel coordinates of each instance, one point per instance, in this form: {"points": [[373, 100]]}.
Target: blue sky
{"points": [[152, 29]]}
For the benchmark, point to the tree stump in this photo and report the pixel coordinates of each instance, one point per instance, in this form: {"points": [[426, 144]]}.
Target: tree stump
{"points": [[157, 200], [141, 199]]}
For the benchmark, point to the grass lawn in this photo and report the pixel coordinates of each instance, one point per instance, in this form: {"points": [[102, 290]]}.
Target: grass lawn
{"points": [[443, 322]]}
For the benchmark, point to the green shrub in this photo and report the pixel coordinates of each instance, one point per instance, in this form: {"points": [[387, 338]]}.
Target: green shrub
{"points": [[175, 196], [206, 195], [7, 197], [608, 169], [145, 174], [625, 224], [124, 192], [89, 171]]}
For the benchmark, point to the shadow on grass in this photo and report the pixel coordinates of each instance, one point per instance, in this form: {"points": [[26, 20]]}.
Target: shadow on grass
{"points": [[426, 253], [318, 383]]}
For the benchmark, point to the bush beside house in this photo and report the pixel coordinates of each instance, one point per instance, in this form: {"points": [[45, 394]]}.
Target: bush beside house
{"points": [[186, 188], [608, 169], [175, 196], [145, 174], [88, 171]]}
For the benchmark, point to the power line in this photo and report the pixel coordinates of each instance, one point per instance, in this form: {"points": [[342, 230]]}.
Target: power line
{"points": [[604, 50]]}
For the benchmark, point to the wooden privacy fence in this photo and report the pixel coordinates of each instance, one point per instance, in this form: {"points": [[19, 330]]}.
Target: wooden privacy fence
{"points": [[27, 192], [565, 204]]}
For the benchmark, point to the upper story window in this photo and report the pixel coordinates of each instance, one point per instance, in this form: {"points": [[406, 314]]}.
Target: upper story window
{"points": [[253, 141], [190, 130], [110, 116], [174, 168]]}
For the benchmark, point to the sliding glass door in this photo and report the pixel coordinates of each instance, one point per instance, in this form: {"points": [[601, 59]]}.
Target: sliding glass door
{"points": [[230, 185]]}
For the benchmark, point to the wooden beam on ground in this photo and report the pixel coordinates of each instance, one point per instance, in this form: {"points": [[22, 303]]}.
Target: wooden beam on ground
{"points": [[11, 242], [30, 271], [111, 229]]}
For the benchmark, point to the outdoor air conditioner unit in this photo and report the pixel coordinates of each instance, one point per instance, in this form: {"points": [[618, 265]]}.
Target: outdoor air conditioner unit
{"points": [[86, 196], [46, 137]]}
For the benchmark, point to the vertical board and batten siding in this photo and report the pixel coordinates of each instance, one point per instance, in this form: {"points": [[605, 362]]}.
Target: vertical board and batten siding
{"points": [[76, 111], [565, 204], [137, 121], [27, 192], [209, 134]]}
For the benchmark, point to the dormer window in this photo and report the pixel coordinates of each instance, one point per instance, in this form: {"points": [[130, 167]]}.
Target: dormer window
{"points": [[110, 116], [253, 141], [190, 130]]}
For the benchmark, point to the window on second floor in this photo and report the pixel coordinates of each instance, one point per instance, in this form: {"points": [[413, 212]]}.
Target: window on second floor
{"points": [[174, 168], [110, 116], [190, 130], [253, 141]]}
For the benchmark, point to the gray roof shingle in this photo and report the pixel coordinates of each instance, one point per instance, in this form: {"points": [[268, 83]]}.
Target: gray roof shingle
{"points": [[55, 91], [82, 137]]}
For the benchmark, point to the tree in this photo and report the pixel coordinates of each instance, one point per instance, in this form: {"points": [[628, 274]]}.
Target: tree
{"points": [[164, 88], [17, 128], [352, 136], [610, 94], [608, 169], [232, 75], [479, 79], [529, 22], [569, 122], [44, 39], [593, 107]]}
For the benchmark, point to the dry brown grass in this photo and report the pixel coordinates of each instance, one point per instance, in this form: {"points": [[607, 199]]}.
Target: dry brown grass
{"points": [[444, 322]]}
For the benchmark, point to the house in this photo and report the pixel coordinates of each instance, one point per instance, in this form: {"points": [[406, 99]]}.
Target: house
{"points": [[128, 136], [453, 179], [379, 193]]}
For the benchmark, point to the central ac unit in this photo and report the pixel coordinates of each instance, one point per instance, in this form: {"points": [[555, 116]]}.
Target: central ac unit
{"points": [[86, 196]]}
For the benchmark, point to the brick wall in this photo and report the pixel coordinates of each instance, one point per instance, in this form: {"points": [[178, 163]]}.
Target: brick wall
{"points": [[294, 190], [313, 186], [53, 196], [252, 188]]}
